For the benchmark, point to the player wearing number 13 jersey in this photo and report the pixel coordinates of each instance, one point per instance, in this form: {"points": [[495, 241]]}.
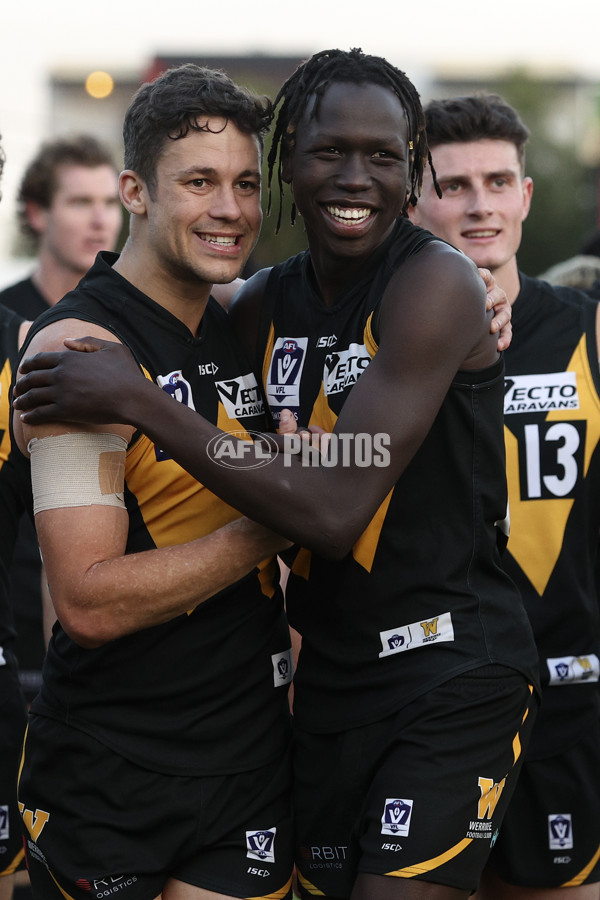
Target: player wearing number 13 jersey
{"points": [[550, 838]]}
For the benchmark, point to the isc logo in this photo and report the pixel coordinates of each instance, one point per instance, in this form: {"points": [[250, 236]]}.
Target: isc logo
{"points": [[262, 872]]}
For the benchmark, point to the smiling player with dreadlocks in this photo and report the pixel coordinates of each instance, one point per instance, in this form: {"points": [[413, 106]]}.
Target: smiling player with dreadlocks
{"points": [[414, 692]]}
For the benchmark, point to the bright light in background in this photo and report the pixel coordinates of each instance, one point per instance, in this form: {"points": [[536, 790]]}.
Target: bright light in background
{"points": [[99, 85]]}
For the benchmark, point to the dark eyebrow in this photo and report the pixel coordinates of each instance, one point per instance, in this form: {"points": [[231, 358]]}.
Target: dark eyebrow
{"points": [[211, 172]]}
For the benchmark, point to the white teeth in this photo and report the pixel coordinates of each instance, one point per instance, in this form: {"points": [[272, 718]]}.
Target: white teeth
{"points": [[219, 239], [347, 214], [484, 234]]}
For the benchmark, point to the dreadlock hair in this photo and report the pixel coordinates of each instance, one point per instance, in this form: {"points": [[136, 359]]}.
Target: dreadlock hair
{"points": [[475, 117], [312, 78]]}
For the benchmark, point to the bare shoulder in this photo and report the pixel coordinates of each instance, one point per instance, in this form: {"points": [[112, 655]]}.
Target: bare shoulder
{"points": [[53, 335], [435, 303]]}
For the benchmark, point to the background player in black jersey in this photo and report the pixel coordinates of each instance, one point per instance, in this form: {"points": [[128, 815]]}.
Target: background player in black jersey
{"points": [[405, 761], [69, 209], [549, 844], [156, 756], [13, 710]]}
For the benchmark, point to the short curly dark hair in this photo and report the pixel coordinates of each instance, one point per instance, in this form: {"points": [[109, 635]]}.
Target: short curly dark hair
{"points": [[180, 100], [475, 117], [40, 180]]}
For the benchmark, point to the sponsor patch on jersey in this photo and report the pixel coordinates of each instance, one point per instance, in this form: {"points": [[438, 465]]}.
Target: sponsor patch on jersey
{"points": [[573, 669], [4, 824], [395, 820], [418, 634], [540, 393], [343, 369], [176, 385], [261, 845], [283, 667], [560, 832], [285, 371], [240, 396]]}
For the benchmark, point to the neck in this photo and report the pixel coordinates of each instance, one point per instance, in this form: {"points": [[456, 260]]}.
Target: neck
{"points": [[186, 302], [507, 277], [53, 280]]}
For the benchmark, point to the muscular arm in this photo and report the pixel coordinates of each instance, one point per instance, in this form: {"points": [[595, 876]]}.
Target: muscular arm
{"points": [[98, 592]]}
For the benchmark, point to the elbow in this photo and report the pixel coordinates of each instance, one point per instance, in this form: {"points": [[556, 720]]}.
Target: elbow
{"points": [[332, 538], [85, 629]]}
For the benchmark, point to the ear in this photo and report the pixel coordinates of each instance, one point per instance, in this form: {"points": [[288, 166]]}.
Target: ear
{"points": [[133, 192], [36, 216], [527, 187]]}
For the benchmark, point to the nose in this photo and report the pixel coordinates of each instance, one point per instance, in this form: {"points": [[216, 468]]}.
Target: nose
{"points": [[480, 204], [353, 173], [225, 205]]}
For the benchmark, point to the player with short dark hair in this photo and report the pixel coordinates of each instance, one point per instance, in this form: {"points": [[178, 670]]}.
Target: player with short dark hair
{"points": [[156, 760], [549, 844]]}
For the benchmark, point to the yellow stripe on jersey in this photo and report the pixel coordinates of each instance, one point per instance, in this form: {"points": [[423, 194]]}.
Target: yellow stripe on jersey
{"points": [[536, 524], [580, 878], [5, 377], [429, 864], [13, 865], [309, 887], [276, 895], [268, 354]]}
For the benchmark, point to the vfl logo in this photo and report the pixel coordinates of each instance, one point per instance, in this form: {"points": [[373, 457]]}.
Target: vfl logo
{"points": [[285, 370], [396, 817], [540, 393], [417, 634], [560, 832], [4, 826], [283, 667], [574, 669], [490, 794], [177, 387], [261, 845]]}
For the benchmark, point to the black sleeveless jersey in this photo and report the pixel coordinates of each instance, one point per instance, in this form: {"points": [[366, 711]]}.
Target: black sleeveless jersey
{"points": [[422, 596], [13, 483], [552, 432], [205, 693]]}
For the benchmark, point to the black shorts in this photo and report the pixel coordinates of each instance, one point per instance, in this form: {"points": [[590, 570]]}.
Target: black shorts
{"points": [[550, 836], [420, 794], [13, 721], [99, 826]]}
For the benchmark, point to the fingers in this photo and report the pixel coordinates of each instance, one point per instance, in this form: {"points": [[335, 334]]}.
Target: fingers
{"points": [[287, 422], [88, 344], [505, 337], [47, 360]]}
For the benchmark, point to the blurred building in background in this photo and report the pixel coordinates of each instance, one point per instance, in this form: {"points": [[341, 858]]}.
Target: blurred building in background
{"points": [[563, 157]]}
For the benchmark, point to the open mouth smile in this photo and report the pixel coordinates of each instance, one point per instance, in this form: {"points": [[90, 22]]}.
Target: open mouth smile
{"points": [[349, 215], [229, 240]]}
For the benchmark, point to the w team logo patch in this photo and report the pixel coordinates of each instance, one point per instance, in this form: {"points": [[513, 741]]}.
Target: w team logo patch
{"points": [[261, 845], [4, 829], [560, 832], [395, 820]]}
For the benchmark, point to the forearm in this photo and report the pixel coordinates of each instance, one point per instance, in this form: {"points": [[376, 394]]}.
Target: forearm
{"points": [[120, 595]]}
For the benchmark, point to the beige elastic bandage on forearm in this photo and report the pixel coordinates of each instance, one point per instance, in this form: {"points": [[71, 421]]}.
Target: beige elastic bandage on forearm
{"points": [[77, 469]]}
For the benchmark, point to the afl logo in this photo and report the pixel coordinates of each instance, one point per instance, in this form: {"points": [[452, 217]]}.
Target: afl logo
{"points": [[290, 346]]}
